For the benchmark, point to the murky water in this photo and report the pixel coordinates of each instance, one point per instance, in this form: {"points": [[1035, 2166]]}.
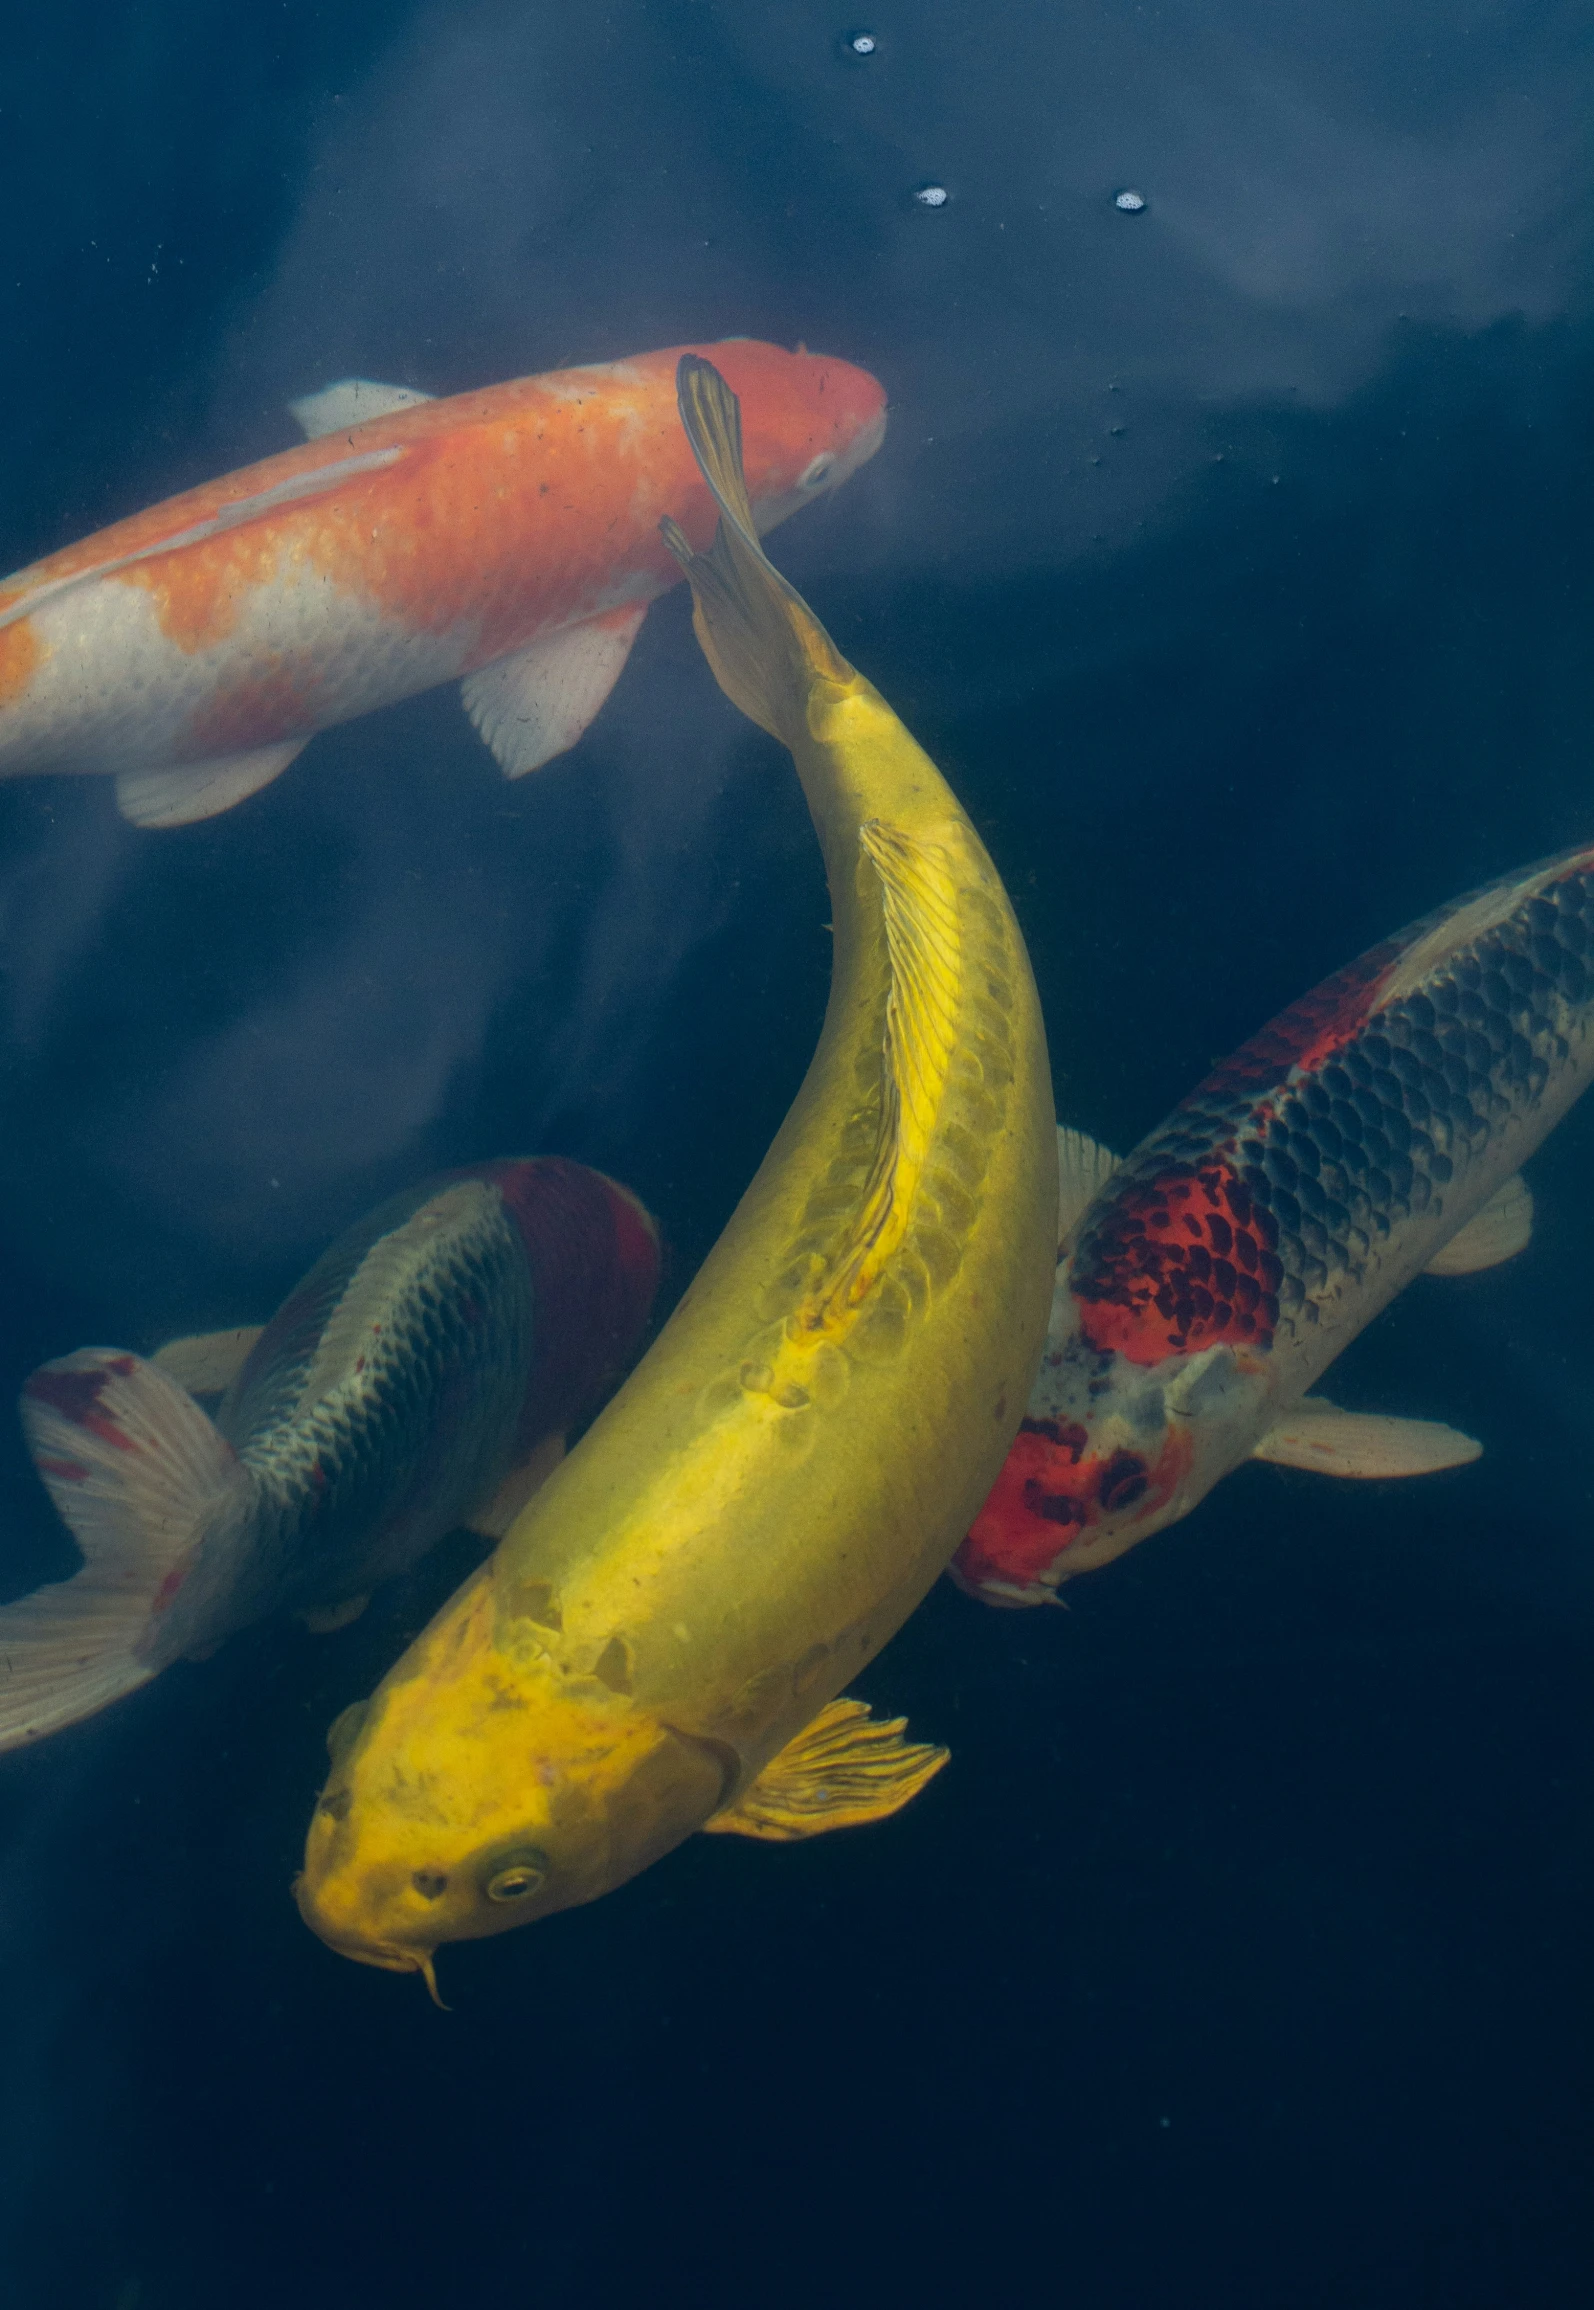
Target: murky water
{"points": [[1229, 551]]}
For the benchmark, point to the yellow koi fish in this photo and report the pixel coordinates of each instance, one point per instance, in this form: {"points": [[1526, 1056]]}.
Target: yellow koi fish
{"points": [[657, 1644]]}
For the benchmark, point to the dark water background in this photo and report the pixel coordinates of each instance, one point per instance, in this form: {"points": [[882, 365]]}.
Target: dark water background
{"points": [[1234, 561]]}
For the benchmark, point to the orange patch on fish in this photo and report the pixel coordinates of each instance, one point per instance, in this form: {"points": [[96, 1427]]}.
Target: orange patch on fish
{"points": [[20, 653], [287, 595], [280, 699]]}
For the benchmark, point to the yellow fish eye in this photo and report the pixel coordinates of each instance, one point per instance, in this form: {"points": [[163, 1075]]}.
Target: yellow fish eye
{"points": [[520, 1874]]}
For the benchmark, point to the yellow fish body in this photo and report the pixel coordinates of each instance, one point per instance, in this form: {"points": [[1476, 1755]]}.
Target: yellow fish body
{"points": [[652, 1648]]}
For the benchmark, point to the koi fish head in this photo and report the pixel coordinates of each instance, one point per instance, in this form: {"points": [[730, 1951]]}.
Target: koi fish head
{"points": [[808, 422], [484, 1788], [1065, 1501], [1111, 1452]]}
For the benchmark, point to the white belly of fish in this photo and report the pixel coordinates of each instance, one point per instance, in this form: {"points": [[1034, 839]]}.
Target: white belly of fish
{"points": [[112, 692]]}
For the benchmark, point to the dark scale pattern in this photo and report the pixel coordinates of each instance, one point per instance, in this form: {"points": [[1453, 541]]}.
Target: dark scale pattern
{"points": [[1344, 1123]]}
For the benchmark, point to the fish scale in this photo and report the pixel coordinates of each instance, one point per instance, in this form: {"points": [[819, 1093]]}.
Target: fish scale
{"points": [[1213, 1277], [1352, 1167], [357, 1427], [422, 1375]]}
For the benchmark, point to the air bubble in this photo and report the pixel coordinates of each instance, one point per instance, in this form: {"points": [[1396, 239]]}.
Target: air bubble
{"points": [[932, 196], [1130, 201], [861, 43]]}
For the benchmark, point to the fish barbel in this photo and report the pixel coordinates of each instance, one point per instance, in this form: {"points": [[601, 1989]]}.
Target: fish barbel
{"points": [[657, 1644], [507, 536]]}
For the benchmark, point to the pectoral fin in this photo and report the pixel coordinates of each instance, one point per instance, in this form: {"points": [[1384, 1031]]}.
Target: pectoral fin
{"points": [[195, 790], [352, 401], [1083, 1168], [495, 1515], [1319, 1436], [207, 1362], [841, 1770], [1496, 1233], [327, 1619], [536, 704]]}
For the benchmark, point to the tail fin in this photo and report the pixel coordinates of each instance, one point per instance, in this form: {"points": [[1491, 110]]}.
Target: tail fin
{"points": [[135, 1470], [763, 641]]}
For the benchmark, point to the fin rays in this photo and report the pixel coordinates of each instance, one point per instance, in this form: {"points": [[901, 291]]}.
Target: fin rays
{"points": [[924, 944], [842, 1770], [758, 634]]}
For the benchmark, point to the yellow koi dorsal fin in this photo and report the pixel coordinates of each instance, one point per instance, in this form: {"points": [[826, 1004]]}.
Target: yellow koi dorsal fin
{"points": [[763, 641], [842, 1770], [924, 947]]}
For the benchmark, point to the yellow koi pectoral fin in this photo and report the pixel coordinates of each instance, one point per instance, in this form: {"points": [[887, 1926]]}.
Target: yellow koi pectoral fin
{"points": [[1319, 1436], [842, 1770], [925, 946]]}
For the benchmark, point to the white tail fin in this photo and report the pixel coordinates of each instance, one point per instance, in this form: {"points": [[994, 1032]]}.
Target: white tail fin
{"points": [[135, 1470]]}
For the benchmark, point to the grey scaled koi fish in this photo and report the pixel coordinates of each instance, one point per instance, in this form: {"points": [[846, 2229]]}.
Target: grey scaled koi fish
{"points": [[421, 1377], [1204, 1285]]}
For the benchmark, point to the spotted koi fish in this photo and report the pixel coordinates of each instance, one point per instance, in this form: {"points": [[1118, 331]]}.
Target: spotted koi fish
{"points": [[1374, 1130], [508, 537], [420, 1377]]}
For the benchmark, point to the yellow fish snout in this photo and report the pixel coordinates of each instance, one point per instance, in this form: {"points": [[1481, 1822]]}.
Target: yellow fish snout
{"points": [[392, 1908], [338, 1906]]}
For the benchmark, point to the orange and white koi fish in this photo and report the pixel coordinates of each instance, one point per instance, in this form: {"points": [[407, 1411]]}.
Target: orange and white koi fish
{"points": [[508, 536], [1375, 1129]]}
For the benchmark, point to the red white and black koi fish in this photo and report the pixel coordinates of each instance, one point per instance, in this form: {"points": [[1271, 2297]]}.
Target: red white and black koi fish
{"points": [[1375, 1129], [421, 1376], [509, 536]]}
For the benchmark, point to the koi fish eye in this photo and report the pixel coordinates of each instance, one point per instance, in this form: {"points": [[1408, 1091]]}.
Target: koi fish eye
{"points": [[816, 471], [520, 1875]]}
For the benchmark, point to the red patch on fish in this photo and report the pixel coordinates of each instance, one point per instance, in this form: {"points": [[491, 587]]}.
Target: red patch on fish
{"points": [[76, 1393], [594, 1259], [19, 654], [279, 699], [1053, 1492], [169, 1587], [1309, 1032], [1177, 1263]]}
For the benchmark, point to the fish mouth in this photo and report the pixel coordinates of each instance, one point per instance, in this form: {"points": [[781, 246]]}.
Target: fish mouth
{"points": [[866, 443], [387, 1956], [390, 1958], [394, 1960]]}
